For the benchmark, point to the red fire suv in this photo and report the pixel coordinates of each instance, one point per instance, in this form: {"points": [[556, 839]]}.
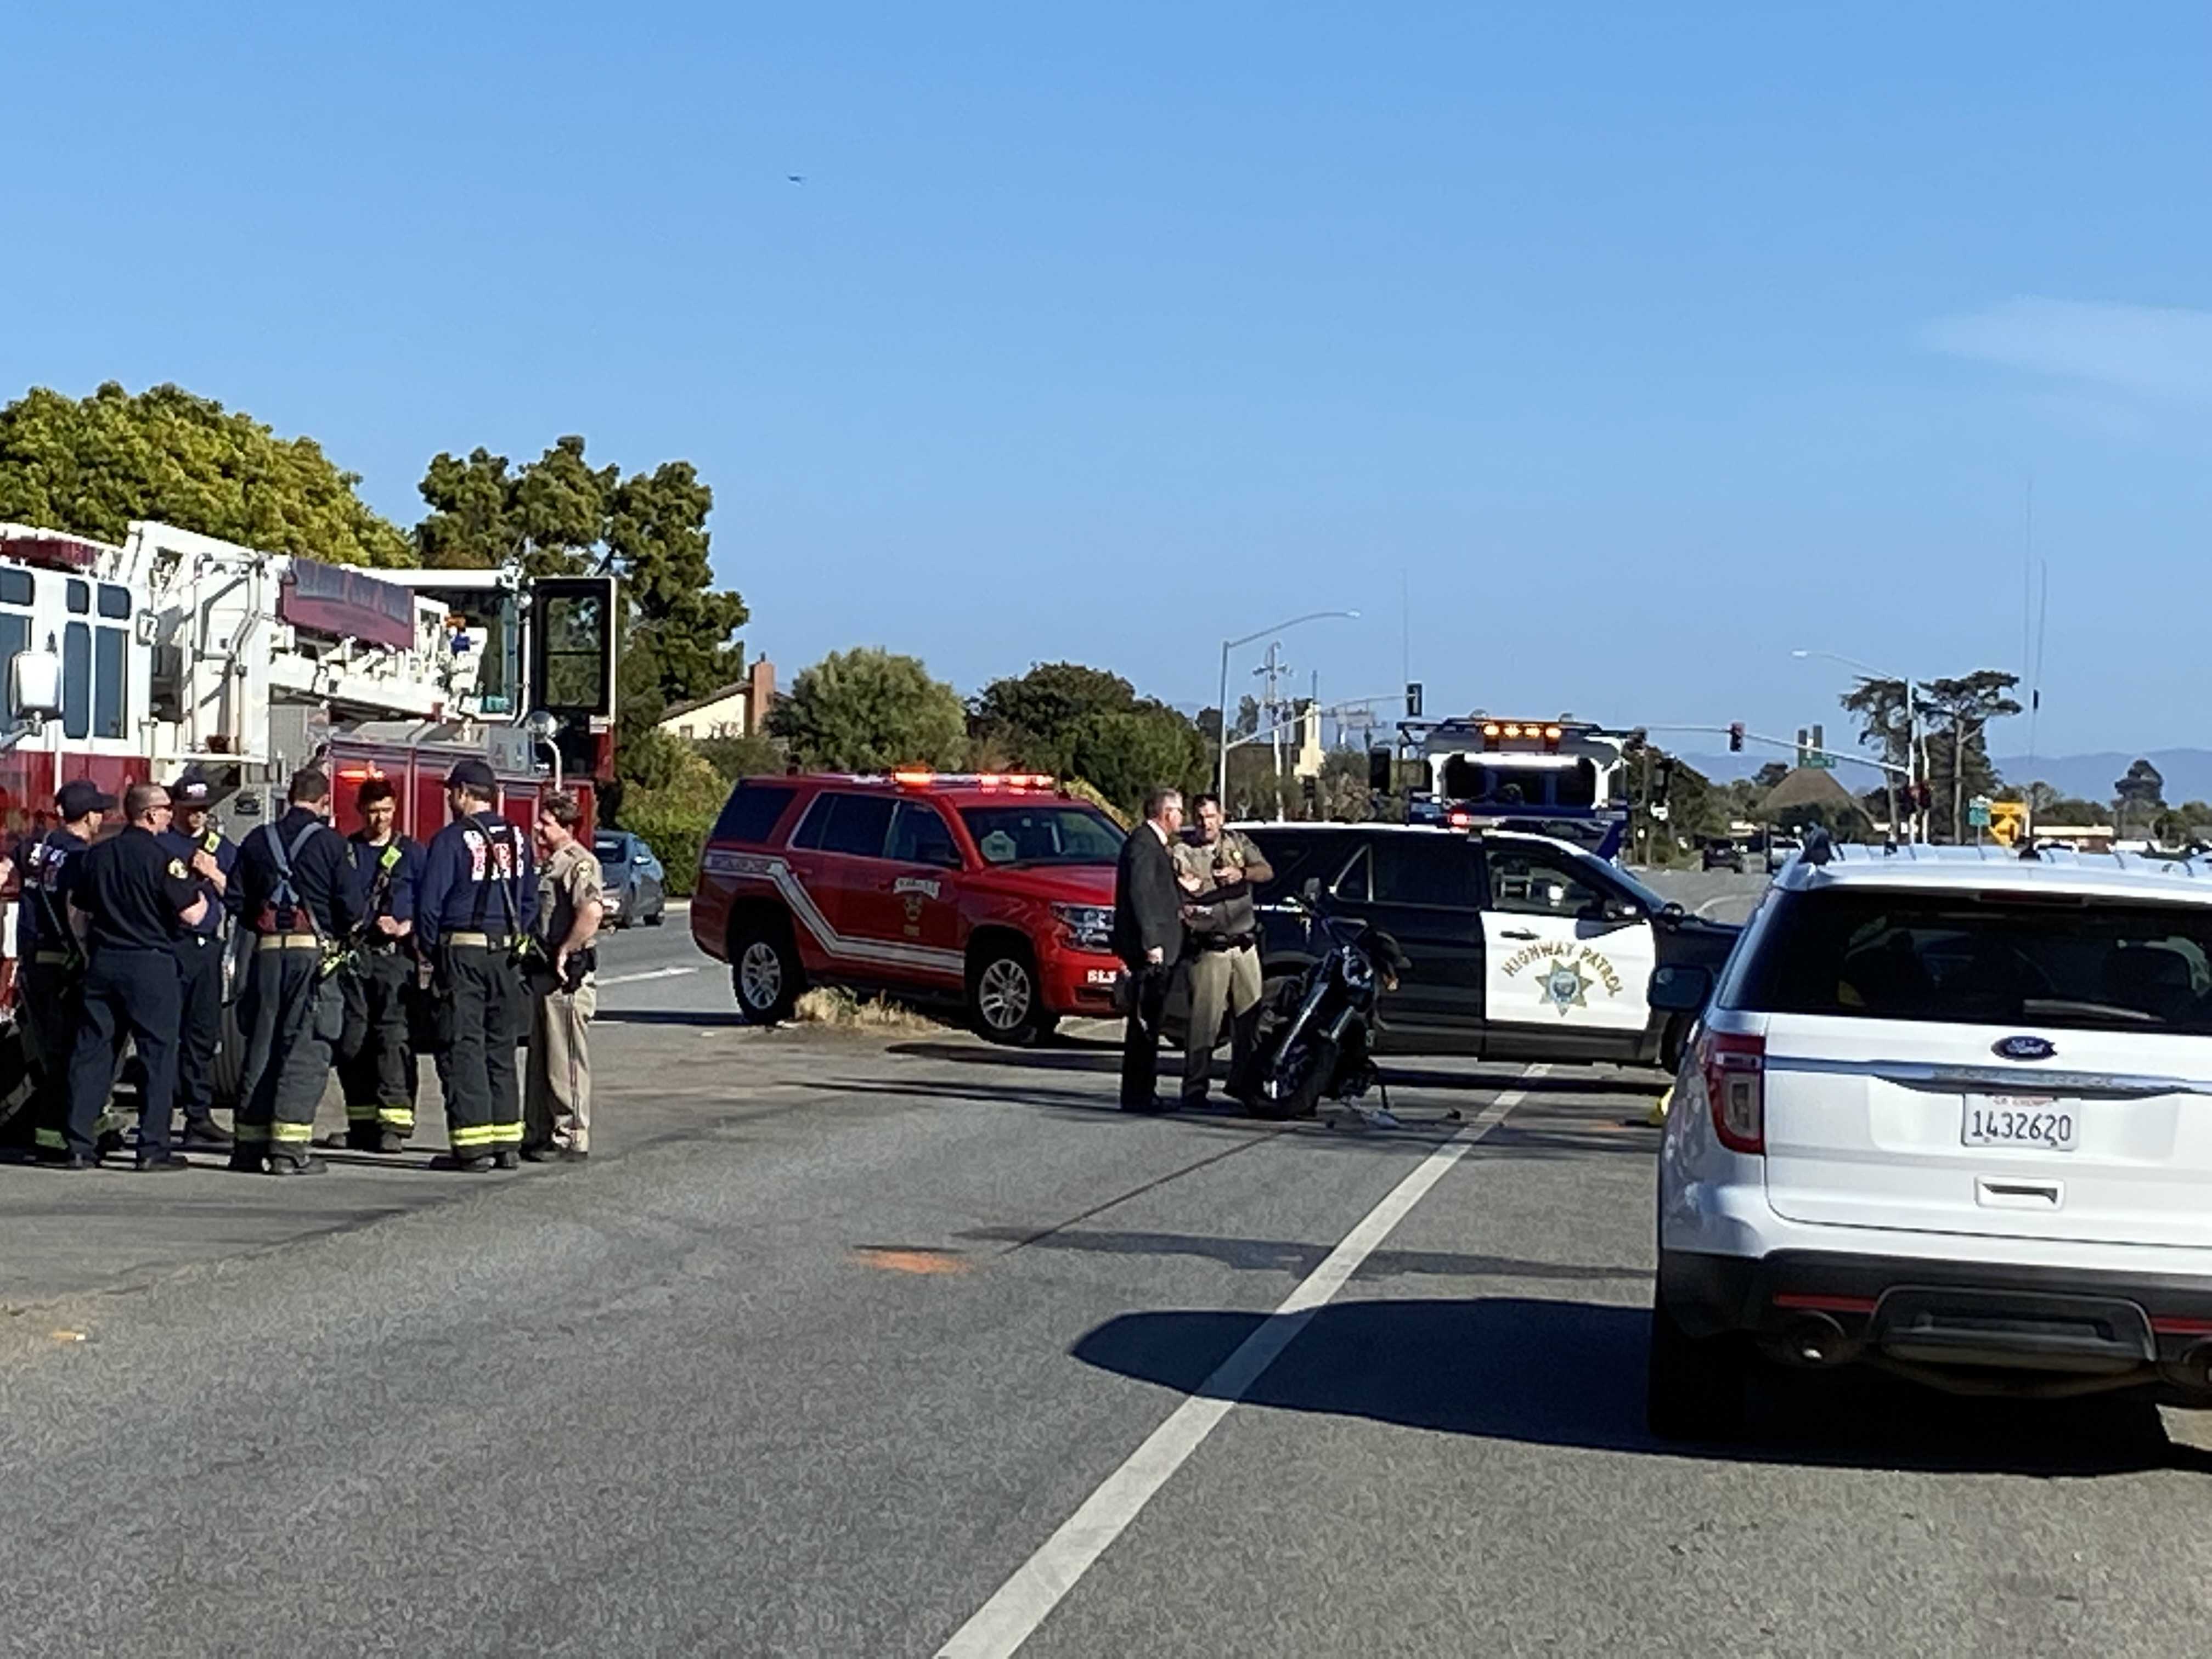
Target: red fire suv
{"points": [[995, 890]]}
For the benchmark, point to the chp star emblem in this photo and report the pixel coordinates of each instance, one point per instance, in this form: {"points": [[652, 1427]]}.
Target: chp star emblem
{"points": [[176, 868], [1564, 985]]}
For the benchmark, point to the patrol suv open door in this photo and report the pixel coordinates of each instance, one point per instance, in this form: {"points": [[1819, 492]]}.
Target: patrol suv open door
{"points": [[1567, 954]]}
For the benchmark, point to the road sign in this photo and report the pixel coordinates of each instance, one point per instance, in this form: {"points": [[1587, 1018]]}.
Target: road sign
{"points": [[1977, 812], [2007, 821]]}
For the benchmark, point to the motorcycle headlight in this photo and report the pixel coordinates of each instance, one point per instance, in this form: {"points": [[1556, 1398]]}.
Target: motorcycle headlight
{"points": [[1358, 972], [1088, 927]]}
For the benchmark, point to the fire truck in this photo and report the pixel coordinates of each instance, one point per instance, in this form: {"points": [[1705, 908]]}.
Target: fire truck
{"points": [[125, 665]]}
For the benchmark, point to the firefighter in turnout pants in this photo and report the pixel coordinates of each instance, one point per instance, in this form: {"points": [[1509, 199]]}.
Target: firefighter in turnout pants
{"points": [[51, 996], [473, 915], [302, 905], [213, 859], [136, 896], [375, 1065]]}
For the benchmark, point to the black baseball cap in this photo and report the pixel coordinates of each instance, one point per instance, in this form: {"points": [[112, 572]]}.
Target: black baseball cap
{"points": [[79, 796], [473, 774], [192, 789]]}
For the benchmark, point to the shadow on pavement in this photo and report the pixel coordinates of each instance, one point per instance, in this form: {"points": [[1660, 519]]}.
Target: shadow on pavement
{"points": [[1295, 1259], [668, 1017], [1571, 1374], [1093, 1057]]}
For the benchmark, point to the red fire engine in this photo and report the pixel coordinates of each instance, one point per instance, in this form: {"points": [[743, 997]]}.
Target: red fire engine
{"points": [[125, 664]]}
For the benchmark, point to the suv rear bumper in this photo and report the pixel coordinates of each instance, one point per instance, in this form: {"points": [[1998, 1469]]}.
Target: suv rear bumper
{"points": [[1954, 1323]]}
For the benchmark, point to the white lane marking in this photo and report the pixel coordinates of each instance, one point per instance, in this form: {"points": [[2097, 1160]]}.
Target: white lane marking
{"points": [[1009, 1618], [649, 973]]}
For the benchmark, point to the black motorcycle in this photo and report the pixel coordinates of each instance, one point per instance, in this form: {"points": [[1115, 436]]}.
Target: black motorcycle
{"points": [[1317, 1046]]}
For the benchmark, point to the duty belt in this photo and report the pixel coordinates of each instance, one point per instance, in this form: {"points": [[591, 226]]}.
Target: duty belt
{"points": [[53, 959], [287, 942], [488, 941]]}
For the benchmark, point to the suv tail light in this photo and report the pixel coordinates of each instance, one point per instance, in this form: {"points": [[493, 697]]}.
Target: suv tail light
{"points": [[1736, 1085]]}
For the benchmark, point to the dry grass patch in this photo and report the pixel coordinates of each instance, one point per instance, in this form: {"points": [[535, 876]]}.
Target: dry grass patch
{"points": [[838, 1010]]}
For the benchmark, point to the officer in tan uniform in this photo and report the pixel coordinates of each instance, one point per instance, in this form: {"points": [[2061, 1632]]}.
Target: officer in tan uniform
{"points": [[1218, 869], [557, 1090]]}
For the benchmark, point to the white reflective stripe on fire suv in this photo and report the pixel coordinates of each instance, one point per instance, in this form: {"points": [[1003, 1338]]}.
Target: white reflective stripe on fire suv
{"points": [[889, 953]]}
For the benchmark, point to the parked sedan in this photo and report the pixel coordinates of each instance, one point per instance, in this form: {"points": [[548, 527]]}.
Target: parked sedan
{"points": [[1723, 855], [632, 884]]}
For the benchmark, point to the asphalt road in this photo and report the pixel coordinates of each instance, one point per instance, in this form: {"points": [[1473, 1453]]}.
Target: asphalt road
{"points": [[854, 1348]]}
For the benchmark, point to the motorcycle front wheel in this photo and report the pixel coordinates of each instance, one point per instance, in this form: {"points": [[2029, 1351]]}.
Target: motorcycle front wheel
{"points": [[1292, 1085]]}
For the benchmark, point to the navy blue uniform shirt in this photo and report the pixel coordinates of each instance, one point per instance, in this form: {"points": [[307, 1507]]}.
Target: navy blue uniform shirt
{"points": [[41, 869], [387, 875], [324, 880], [132, 888], [178, 845], [461, 889]]}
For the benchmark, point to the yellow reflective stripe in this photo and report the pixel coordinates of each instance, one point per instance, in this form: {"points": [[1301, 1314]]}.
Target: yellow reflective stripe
{"points": [[52, 1139], [360, 1113], [291, 1132], [249, 1131], [396, 1117], [473, 1134], [511, 1133]]}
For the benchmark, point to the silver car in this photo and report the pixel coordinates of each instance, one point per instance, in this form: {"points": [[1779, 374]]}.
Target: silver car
{"points": [[634, 887]]}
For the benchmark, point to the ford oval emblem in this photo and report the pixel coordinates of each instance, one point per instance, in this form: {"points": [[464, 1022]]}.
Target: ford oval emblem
{"points": [[2023, 1048]]}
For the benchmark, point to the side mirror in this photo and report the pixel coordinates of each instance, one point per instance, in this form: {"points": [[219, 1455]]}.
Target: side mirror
{"points": [[1680, 989], [35, 685]]}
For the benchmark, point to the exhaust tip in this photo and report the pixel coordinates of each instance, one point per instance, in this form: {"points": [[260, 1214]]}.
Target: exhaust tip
{"points": [[1814, 1341]]}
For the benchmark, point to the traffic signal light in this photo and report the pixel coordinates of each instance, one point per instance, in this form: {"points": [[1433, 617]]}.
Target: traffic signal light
{"points": [[1663, 780], [1412, 700], [1736, 736]]}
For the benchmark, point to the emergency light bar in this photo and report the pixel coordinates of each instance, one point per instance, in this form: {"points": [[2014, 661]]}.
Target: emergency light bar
{"points": [[921, 777], [1494, 731]]}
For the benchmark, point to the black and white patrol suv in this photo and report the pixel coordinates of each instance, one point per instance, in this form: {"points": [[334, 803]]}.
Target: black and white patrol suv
{"points": [[1518, 946]]}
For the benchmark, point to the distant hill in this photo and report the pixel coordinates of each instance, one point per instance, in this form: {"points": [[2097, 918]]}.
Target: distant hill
{"points": [[2187, 772]]}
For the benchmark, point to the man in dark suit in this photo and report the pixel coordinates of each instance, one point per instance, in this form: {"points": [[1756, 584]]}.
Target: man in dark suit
{"points": [[1148, 937]]}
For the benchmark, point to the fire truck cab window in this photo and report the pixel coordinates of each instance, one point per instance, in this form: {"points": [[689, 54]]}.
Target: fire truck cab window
{"points": [[80, 598], [15, 635], [114, 602], [111, 662], [15, 587], [77, 677]]}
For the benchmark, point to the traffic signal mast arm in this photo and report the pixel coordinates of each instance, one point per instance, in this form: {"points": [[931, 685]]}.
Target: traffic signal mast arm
{"points": [[1792, 744]]}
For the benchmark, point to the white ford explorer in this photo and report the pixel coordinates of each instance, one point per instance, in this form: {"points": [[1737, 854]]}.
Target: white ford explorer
{"points": [[1949, 1111]]}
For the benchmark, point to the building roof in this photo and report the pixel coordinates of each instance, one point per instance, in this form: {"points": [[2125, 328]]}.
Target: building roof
{"points": [[1808, 786], [735, 687]]}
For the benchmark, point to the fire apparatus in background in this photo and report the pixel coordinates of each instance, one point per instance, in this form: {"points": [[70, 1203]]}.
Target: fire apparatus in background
{"points": [[1566, 778], [176, 649]]}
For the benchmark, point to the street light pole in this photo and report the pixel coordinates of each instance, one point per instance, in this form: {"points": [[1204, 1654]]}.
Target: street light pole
{"points": [[1915, 767], [1221, 735]]}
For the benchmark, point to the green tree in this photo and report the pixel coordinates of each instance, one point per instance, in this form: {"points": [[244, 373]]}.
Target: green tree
{"points": [[1966, 706], [657, 539], [868, 710], [2137, 798], [1124, 753], [753, 756], [1031, 717], [90, 466], [549, 516], [673, 800]]}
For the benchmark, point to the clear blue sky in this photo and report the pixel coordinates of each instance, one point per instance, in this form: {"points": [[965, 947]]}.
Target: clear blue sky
{"points": [[1646, 342]]}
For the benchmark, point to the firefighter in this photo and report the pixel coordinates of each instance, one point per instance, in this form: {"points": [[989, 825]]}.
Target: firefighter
{"points": [[211, 857], [51, 998], [301, 903], [375, 1065], [136, 896], [472, 913]]}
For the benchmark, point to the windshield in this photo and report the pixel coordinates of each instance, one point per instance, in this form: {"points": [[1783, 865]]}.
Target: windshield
{"points": [[1061, 833], [1986, 959], [610, 850], [1643, 896]]}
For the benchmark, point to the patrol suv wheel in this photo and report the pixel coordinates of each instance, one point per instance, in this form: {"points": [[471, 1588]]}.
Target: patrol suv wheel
{"points": [[764, 972], [1004, 999]]}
